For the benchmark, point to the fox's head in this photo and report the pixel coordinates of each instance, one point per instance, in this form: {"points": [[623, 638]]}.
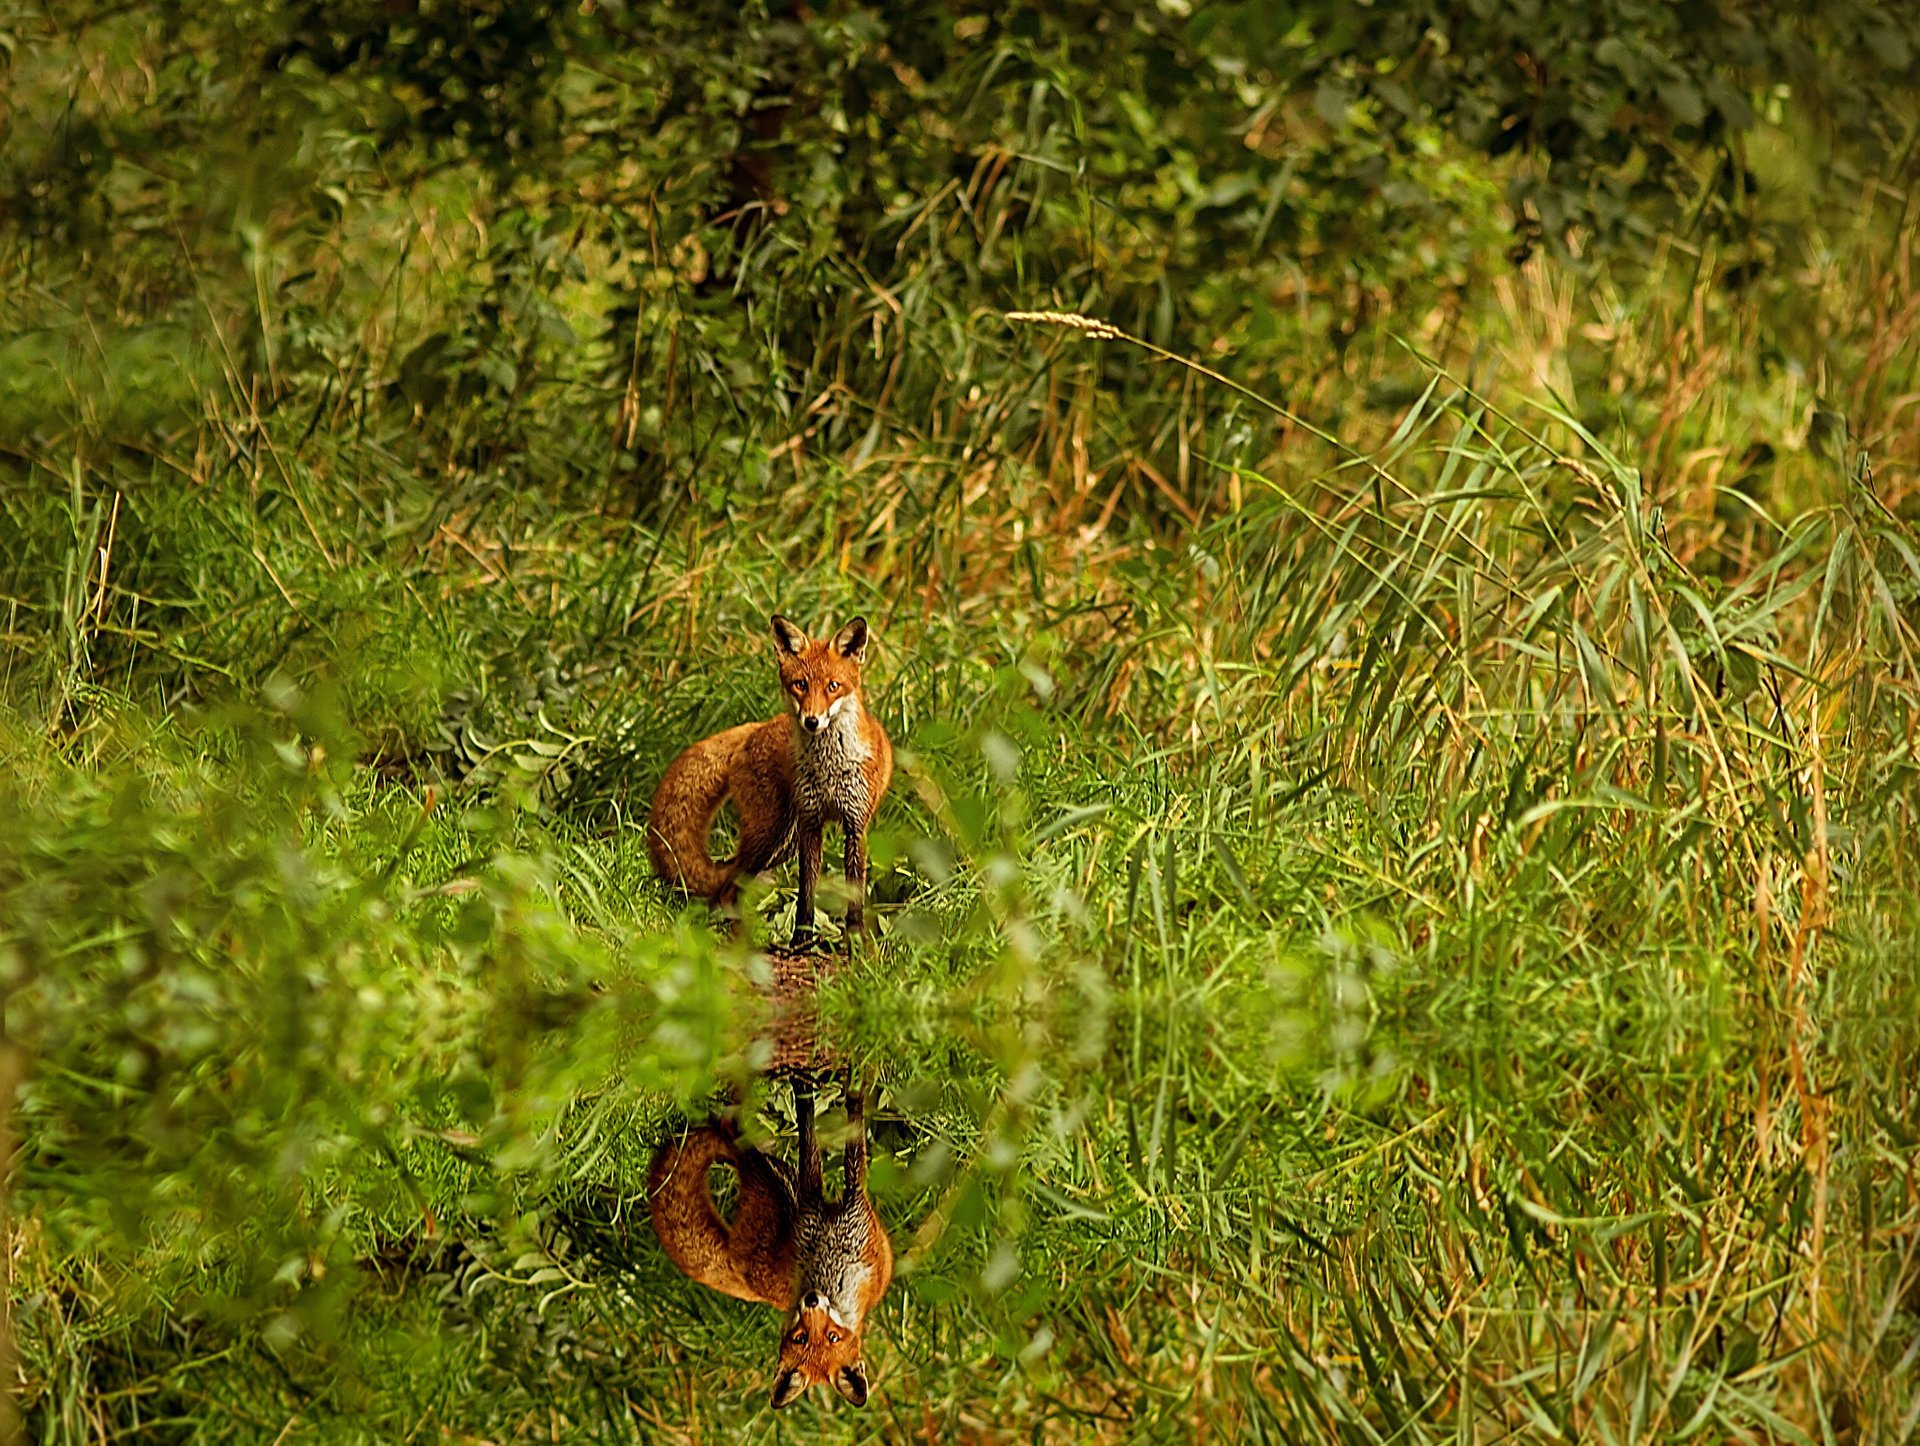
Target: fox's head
{"points": [[816, 1347], [819, 678]]}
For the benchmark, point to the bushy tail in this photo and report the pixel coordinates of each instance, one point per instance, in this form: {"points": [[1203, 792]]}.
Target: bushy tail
{"points": [[681, 819], [751, 1259], [681, 1206]]}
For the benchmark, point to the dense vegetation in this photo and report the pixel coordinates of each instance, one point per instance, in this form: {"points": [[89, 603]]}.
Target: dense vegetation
{"points": [[1393, 540]]}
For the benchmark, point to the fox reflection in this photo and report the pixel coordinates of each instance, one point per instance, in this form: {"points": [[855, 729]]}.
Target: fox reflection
{"points": [[826, 1264]]}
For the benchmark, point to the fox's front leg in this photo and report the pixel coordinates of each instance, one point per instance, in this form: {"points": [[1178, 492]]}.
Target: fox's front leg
{"points": [[810, 1165], [812, 846], [856, 867], [766, 838], [856, 1156]]}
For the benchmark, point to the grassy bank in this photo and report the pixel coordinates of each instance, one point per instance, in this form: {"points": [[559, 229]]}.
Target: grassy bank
{"points": [[1428, 954]]}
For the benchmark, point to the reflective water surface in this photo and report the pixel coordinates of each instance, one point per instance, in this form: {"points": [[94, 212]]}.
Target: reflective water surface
{"points": [[1287, 1212]]}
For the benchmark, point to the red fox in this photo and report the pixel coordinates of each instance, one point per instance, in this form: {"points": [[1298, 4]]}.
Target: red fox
{"points": [[825, 1265], [827, 761]]}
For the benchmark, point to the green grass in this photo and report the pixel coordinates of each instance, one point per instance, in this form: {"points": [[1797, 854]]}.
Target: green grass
{"points": [[1421, 962], [1399, 917]]}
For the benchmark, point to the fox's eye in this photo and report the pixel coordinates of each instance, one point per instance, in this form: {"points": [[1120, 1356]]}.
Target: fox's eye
{"points": [[798, 686], [833, 687], [799, 1338], [833, 1338]]}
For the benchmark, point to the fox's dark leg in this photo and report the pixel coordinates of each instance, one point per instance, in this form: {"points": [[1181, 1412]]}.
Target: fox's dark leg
{"points": [[856, 866], [723, 1111], [810, 1172], [812, 845], [766, 835], [726, 906], [856, 1156], [762, 1229], [763, 845]]}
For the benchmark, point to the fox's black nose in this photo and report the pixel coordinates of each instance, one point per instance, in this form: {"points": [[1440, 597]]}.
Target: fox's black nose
{"points": [[814, 1300], [810, 722]]}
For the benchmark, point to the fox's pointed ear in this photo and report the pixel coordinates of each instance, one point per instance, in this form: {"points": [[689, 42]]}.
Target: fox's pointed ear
{"points": [[787, 637], [788, 1387], [851, 1383], [851, 641]]}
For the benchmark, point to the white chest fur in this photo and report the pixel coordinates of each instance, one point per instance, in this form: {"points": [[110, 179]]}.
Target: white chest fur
{"points": [[829, 779]]}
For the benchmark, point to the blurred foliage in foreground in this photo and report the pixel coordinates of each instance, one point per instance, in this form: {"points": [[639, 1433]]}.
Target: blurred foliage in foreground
{"points": [[1401, 919]]}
